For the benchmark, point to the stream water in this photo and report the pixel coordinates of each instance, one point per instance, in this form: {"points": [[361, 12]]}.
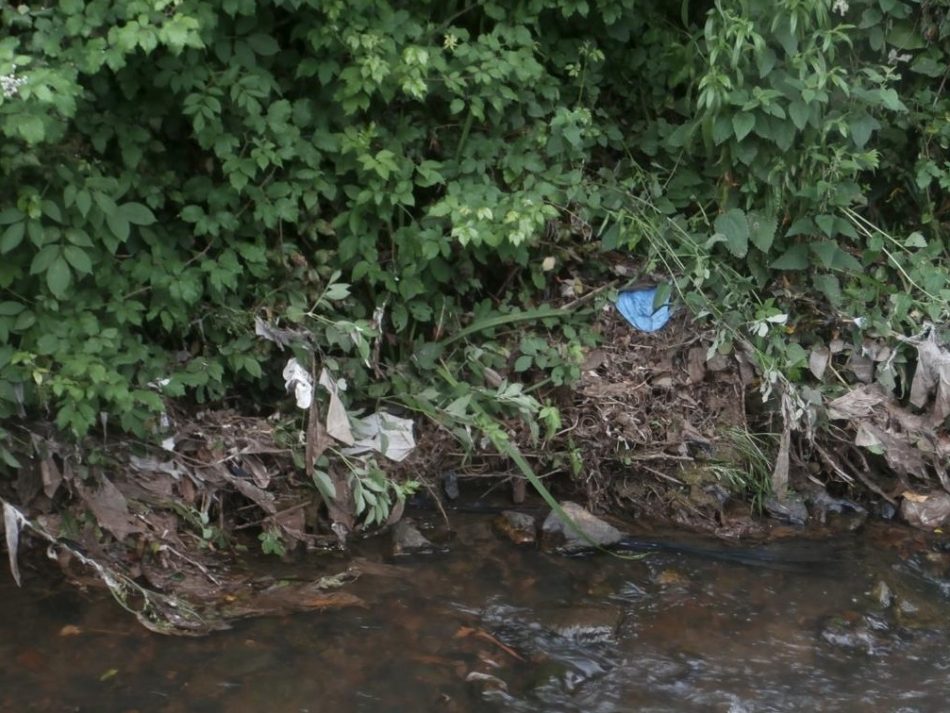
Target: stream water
{"points": [[489, 626]]}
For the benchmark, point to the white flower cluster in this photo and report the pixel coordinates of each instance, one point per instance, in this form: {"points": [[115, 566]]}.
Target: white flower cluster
{"points": [[10, 84], [840, 7]]}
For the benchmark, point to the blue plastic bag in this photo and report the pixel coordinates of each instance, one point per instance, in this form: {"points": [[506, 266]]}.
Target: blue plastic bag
{"points": [[637, 308]]}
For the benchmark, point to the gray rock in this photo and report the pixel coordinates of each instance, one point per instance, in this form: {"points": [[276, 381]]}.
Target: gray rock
{"points": [[408, 540], [557, 533]]}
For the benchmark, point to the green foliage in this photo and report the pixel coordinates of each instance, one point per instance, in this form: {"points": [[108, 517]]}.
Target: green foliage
{"points": [[408, 184]]}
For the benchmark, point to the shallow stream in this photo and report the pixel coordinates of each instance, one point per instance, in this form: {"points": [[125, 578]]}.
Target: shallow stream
{"points": [[489, 626]]}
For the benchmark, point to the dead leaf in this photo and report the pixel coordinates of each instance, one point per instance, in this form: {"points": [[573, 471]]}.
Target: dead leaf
{"points": [[696, 364], [862, 367], [858, 403], [110, 508], [900, 453], [931, 512], [818, 361], [932, 376]]}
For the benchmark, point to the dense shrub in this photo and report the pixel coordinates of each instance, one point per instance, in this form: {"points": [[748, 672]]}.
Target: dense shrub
{"points": [[173, 169]]}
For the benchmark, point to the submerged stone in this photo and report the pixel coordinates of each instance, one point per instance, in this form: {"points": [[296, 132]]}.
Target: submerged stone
{"points": [[518, 527], [556, 533], [408, 540], [791, 510]]}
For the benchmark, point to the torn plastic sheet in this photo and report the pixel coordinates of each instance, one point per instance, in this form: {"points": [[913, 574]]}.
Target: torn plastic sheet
{"points": [[636, 306], [384, 433], [298, 379], [338, 421]]}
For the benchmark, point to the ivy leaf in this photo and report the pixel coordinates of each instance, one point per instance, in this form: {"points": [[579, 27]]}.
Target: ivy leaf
{"points": [[523, 363], [78, 258], [12, 237], [795, 258], [734, 226], [762, 229], [742, 124], [58, 277], [136, 214]]}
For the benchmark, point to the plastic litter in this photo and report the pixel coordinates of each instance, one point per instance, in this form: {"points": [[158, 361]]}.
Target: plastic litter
{"points": [[384, 433], [637, 308]]}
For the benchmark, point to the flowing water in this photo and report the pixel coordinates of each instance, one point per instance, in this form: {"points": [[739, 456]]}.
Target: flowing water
{"points": [[488, 626]]}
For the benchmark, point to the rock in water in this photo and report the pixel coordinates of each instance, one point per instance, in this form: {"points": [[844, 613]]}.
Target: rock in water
{"points": [[518, 527], [557, 533], [408, 540], [791, 509]]}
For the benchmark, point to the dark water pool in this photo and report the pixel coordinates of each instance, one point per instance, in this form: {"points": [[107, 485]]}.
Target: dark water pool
{"points": [[491, 627]]}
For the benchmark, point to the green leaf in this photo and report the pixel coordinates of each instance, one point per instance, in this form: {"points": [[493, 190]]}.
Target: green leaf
{"points": [[118, 225], [928, 67], [34, 229], [10, 309], [915, 240], [802, 226], [11, 215], [523, 363], [52, 211], [31, 128], [795, 258], [721, 130], [337, 291], [762, 229], [136, 214], [825, 251], [829, 286], [799, 112], [742, 124], [734, 226], [662, 295], [827, 224], [43, 259], [324, 485], [78, 258], [861, 129], [83, 202], [12, 237], [262, 44], [58, 277]]}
